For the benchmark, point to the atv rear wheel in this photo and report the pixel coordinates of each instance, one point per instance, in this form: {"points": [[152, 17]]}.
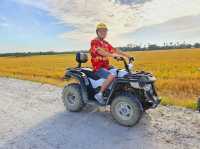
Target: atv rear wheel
{"points": [[72, 97], [126, 109]]}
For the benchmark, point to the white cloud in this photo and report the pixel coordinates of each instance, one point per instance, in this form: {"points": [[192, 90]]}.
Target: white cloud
{"points": [[122, 16]]}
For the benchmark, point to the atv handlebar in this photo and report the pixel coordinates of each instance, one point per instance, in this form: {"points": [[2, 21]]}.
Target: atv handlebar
{"points": [[119, 58], [130, 60]]}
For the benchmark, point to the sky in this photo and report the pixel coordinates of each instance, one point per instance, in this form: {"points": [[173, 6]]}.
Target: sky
{"points": [[68, 25]]}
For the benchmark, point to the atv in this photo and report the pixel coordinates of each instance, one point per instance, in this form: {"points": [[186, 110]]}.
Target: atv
{"points": [[129, 95]]}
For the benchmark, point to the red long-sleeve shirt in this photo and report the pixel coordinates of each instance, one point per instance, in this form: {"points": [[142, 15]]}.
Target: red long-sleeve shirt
{"points": [[98, 61]]}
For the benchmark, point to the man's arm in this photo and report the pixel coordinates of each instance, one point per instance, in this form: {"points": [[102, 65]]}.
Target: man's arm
{"points": [[105, 53], [123, 54]]}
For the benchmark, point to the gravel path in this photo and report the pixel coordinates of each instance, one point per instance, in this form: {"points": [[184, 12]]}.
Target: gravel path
{"points": [[32, 116]]}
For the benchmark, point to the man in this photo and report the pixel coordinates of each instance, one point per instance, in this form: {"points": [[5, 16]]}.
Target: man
{"points": [[100, 51]]}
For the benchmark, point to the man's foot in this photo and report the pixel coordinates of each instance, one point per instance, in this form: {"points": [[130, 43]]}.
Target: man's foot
{"points": [[99, 98]]}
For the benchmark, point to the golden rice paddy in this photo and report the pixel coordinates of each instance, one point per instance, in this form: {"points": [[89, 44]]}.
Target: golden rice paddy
{"points": [[177, 71]]}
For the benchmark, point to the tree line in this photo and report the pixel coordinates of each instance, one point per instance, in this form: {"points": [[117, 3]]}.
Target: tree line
{"points": [[165, 46], [129, 47], [20, 54]]}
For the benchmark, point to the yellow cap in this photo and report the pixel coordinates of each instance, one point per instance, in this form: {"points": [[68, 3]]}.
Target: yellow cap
{"points": [[101, 26]]}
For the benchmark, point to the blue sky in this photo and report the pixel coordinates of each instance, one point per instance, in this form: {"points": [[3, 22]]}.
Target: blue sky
{"points": [[64, 25]]}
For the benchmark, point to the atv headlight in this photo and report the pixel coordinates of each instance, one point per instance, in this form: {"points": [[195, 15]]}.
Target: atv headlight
{"points": [[152, 78], [147, 87], [135, 85]]}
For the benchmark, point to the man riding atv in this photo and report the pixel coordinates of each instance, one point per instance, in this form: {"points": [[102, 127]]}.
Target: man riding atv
{"points": [[100, 51], [130, 93]]}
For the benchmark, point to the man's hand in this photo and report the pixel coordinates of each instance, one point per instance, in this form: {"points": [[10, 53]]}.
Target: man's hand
{"points": [[116, 55], [130, 59]]}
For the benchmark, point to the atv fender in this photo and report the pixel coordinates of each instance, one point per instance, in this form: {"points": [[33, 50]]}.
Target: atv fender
{"points": [[81, 77], [111, 96]]}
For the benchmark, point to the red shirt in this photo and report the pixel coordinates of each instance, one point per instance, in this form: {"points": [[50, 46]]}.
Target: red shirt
{"points": [[99, 61]]}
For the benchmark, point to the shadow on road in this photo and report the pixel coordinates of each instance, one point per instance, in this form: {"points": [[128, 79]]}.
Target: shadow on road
{"points": [[82, 130]]}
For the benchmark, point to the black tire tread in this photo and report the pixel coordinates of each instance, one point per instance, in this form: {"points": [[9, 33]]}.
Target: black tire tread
{"points": [[126, 96], [77, 88]]}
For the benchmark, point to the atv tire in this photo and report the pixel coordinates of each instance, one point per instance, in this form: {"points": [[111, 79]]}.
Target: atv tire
{"points": [[72, 98], [126, 109]]}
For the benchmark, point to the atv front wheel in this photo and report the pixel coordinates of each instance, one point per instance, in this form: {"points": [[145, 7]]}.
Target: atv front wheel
{"points": [[71, 96], [126, 109]]}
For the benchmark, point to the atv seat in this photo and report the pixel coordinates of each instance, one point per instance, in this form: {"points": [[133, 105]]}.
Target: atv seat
{"points": [[89, 73]]}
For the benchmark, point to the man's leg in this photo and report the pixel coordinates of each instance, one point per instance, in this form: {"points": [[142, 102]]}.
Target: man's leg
{"points": [[103, 73], [107, 82]]}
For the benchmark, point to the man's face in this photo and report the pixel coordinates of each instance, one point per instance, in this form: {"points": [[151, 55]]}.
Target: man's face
{"points": [[102, 33]]}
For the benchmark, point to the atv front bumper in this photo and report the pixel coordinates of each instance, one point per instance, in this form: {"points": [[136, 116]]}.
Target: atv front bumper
{"points": [[152, 99]]}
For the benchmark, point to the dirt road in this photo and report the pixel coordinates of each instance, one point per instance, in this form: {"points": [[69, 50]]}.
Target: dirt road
{"points": [[32, 116]]}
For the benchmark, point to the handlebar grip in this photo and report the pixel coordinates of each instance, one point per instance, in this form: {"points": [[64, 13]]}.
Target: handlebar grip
{"points": [[118, 58], [131, 59]]}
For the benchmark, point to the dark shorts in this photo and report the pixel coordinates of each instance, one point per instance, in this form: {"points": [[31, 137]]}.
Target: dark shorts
{"points": [[103, 73]]}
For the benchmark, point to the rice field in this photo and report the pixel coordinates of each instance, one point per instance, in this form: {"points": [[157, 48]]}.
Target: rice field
{"points": [[177, 71]]}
